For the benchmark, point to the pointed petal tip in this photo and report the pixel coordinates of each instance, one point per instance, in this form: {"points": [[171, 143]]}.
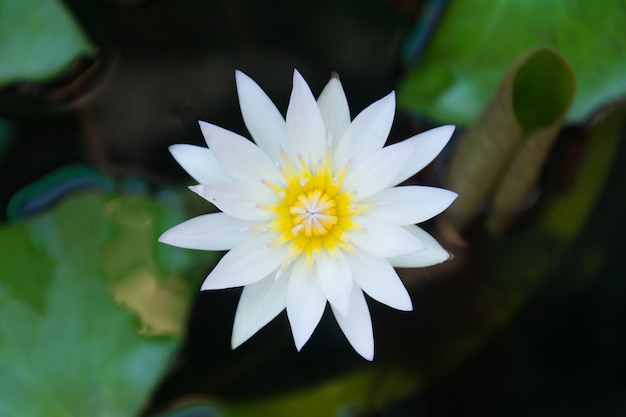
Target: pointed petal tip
{"points": [[301, 337], [162, 238], [447, 196], [166, 237], [439, 133], [209, 285], [234, 344], [299, 342], [447, 130], [368, 355], [205, 129], [236, 340], [405, 305], [241, 76], [244, 84], [389, 97], [178, 148], [390, 100], [203, 126], [298, 78]]}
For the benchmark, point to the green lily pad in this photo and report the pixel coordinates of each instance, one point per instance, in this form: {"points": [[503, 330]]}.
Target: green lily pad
{"points": [[478, 40], [88, 322], [40, 39]]}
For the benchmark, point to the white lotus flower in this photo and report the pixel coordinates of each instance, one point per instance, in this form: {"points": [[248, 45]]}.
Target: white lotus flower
{"points": [[308, 213]]}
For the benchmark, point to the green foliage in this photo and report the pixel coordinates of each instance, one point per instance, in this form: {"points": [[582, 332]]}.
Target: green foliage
{"points": [[478, 40], [38, 40], [570, 237], [353, 392], [543, 90], [88, 322], [500, 158]]}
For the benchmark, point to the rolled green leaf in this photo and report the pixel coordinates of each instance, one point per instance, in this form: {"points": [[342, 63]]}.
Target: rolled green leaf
{"points": [[543, 91], [511, 139]]}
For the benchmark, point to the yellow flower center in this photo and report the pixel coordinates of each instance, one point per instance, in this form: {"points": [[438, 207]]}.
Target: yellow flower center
{"points": [[313, 212]]}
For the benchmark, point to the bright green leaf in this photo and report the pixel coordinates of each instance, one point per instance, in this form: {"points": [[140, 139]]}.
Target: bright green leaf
{"points": [[38, 40], [80, 303], [477, 40], [80, 355]]}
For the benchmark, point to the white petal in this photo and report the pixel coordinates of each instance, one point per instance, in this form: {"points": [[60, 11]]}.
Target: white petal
{"points": [[335, 278], [432, 255], [305, 303], [384, 239], [217, 231], [368, 132], [200, 163], [247, 263], [378, 170], [237, 199], [334, 108], [306, 133], [410, 205], [260, 302], [380, 281], [429, 145], [262, 118], [357, 325], [243, 160]]}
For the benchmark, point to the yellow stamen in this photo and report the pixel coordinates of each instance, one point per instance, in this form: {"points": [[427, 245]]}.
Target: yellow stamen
{"points": [[313, 212]]}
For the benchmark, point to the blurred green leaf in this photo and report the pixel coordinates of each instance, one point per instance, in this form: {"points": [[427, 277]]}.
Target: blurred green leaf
{"points": [[477, 40], [80, 303], [26, 273], [565, 214], [194, 410], [570, 237], [500, 157], [145, 275], [81, 356], [38, 40], [351, 395]]}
